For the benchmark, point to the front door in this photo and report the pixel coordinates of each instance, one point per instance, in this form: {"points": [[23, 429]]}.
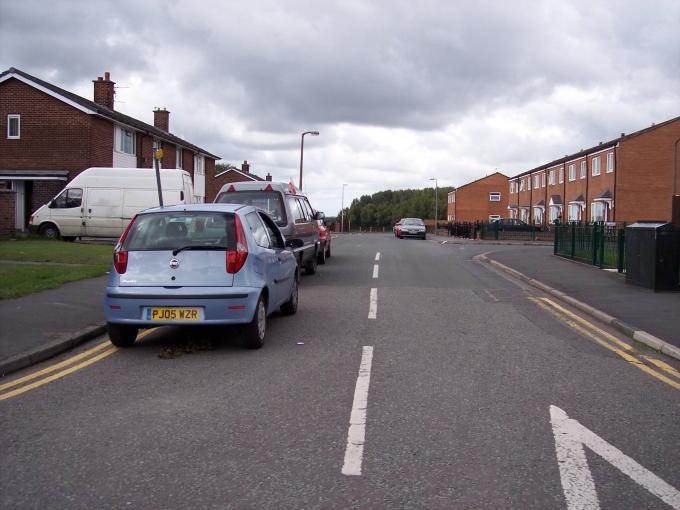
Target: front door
{"points": [[20, 207]]}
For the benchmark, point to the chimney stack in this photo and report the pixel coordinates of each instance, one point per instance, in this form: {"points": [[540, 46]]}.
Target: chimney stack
{"points": [[268, 177], [104, 90], [245, 167], [161, 119]]}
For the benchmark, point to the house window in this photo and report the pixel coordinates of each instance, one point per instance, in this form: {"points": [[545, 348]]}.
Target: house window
{"points": [[561, 175], [538, 215], [178, 158], [14, 126], [521, 184], [572, 172], [125, 141], [598, 211], [494, 217], [543, 180], [584, 169], [555, 213], [512, 188], [536, 181], [6, 185], [596, 165], [495, 196], [610, 162], [575, 212], [551, 178], [199, 163]]}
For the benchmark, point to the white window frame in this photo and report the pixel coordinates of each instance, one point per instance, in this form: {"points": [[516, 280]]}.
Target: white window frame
{"points": [[10, 118], [543, 180], [572, 172], [610, 162], [537, 181], [551, 178], [600, 205], [494, 217], [512, 187], [521, 184], [494, 196], [561, 174], [178, 157], [584, 169], [119, 147], [595, 163], [199, 164]]}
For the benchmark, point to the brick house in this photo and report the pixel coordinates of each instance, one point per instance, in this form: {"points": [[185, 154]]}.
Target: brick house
{"points": [[626, 179], [227, 175], [49, 135], [481, 200]]}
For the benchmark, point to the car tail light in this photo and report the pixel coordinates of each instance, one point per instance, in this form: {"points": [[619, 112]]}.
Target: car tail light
{"points": [[236, 258], [120, 256]]}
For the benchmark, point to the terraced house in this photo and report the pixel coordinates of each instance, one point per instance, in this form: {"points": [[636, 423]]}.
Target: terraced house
{"points": [[482, 200], [625, 179], [49, 135]]}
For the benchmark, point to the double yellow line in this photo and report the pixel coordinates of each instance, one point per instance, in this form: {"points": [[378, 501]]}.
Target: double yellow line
{"points": [[655, 367], [59, 370]]}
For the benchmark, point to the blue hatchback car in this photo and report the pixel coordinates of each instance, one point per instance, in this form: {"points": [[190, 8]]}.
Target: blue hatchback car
{"points": [[203, 264]]}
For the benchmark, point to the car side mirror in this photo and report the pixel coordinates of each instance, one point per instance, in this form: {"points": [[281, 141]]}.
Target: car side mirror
{"points": [[294, 243]]}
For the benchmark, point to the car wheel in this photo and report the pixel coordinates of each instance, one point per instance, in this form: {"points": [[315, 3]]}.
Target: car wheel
{"points": [[256, 329], [321, 256], [290, 306], [50, 231], [310, 267], [122, 335]]}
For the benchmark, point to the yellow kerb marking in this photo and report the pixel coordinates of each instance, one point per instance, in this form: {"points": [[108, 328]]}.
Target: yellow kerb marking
{"points": [[631, 359], [62, 364], [608, 336], [58, 375], [663, 366]]}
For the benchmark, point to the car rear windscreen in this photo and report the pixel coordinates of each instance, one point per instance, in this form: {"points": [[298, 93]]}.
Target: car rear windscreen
{"points": [[270, 201], [172, 230]]}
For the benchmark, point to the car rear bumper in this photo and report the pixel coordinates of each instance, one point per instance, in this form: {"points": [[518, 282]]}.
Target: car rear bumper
{"points": [[216, 305]]}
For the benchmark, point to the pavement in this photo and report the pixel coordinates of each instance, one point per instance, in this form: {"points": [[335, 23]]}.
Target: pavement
{"points": [[39, 326]]}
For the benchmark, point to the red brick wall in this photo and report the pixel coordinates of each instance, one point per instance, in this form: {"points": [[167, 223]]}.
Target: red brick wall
{"points": [[644, 174], [54, 135], [43, 192], [472, 200], [597, 184], [7, 210]]}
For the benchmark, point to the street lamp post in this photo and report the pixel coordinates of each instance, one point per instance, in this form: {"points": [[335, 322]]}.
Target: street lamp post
{"points": [[436, 204], [342, 209], [302, 148]]}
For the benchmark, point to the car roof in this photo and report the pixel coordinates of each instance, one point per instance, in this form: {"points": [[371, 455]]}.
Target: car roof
{"points": [[230, 208], [287, 188]]}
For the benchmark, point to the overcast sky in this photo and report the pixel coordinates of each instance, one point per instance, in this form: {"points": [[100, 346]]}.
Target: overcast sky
{"points": [[401, 91]]}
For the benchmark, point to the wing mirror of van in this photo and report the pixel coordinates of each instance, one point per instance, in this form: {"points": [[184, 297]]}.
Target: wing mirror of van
{"points": [[294, 243]]}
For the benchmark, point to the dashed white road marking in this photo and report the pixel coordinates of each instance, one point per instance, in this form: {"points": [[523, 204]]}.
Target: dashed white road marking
{"points": [[376, 268], [577, 482], [377, 256], [373, 304], [356, 436]]}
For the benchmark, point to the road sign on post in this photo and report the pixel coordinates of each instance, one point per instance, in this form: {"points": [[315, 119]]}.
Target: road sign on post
{"points": [[157, 155]]}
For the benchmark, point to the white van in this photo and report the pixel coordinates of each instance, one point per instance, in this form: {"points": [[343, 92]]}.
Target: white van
{"points": [[100, 202]]}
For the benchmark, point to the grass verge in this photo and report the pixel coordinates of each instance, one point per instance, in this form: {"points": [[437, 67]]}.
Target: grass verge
{"points": [[57, 262]]}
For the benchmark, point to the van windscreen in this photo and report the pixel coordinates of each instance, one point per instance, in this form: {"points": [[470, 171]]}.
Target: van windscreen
{"points": [[270, 201]]}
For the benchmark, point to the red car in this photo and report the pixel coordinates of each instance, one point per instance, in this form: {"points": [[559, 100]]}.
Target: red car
{"points": [[325, 241], [397, 228]]}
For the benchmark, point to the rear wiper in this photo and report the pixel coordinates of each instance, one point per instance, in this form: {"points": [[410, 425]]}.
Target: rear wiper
{"points": [[199, 247]]}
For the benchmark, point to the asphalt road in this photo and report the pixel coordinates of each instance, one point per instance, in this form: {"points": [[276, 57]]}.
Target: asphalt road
{"points": [[465, 368]]}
